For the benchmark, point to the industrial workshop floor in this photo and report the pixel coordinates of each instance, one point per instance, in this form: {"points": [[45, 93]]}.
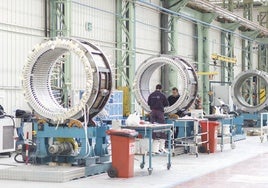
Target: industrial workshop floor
{"points": [[245, 167]]}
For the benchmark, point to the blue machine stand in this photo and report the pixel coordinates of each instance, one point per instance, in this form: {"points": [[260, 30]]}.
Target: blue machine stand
{"points": [[253, 119], [247, 120], [238, 132], [92, 153]]}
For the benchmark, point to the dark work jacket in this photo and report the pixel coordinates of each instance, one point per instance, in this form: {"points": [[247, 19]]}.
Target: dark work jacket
{"points": [[157, 101], [172, 99]]}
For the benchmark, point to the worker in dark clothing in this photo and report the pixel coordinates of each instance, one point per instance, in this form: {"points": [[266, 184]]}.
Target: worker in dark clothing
{"points": [[174, 97], [157, 101]]}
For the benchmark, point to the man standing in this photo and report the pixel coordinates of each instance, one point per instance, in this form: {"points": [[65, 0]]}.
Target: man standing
{"points": [[174, 97], [157, 101]]}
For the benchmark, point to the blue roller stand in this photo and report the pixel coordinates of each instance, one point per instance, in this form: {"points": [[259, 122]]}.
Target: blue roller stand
{"points": [[93, 155]]}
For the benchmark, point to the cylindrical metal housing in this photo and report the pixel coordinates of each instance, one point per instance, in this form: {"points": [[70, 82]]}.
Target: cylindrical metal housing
{"points": [[185, 70], [237, 96], [61, 148], [37, 79]]}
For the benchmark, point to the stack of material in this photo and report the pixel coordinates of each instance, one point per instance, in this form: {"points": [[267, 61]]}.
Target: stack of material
{"points": [[253, 133]]}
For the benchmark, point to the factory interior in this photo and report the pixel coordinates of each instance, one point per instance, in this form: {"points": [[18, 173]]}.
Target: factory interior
{"points": [[134, 93]]}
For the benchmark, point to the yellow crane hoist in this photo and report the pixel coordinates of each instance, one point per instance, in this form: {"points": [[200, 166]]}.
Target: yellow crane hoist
{"points": [[222, 58]]}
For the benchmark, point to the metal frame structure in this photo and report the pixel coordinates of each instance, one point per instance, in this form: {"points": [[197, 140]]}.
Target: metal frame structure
{"points": [[60, 26], [263, 52], [263, 48], [60, 18], [227, 44], [247, 48], [147, 131], [197, 11], [169, 41], [125, 45], [203, 58], [173, 10], [227, 49]]}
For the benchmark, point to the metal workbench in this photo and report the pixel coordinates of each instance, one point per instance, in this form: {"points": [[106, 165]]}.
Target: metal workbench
{"points": [[147, 130]]}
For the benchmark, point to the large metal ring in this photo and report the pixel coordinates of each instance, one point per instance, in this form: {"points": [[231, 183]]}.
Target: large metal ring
{"points": [[237, 96], [185, 70], [37, 74]]}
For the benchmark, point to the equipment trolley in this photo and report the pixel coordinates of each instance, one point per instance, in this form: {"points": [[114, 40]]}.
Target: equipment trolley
{"points": [[147, 130]]}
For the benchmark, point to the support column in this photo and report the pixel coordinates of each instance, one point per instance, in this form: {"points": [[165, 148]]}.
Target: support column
{"points": [[263, 48], [247, 52], [203, 66], [125, 56], [263, 57], [247, 59], [227, 49], [60, 18], [263, 53], [164, 24], [248, 9], [247, 44], [173, 42], [203, 58], [60, 26], [228, 4], [206, 60], [170, 42], [227, 44]]}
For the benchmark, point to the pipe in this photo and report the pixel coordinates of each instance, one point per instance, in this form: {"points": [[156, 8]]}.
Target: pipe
{"points": [[46, 18], [205, 5], [164, 47]]}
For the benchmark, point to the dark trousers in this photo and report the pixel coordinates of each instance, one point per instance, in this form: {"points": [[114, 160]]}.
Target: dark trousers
{"points": [[157, 116]]}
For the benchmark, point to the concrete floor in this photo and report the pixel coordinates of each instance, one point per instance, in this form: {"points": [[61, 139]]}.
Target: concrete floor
{"points": [[245, 166], [246, 174]]}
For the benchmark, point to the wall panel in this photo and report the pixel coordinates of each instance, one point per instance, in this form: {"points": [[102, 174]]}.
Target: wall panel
{"points": [[21, 27]]}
